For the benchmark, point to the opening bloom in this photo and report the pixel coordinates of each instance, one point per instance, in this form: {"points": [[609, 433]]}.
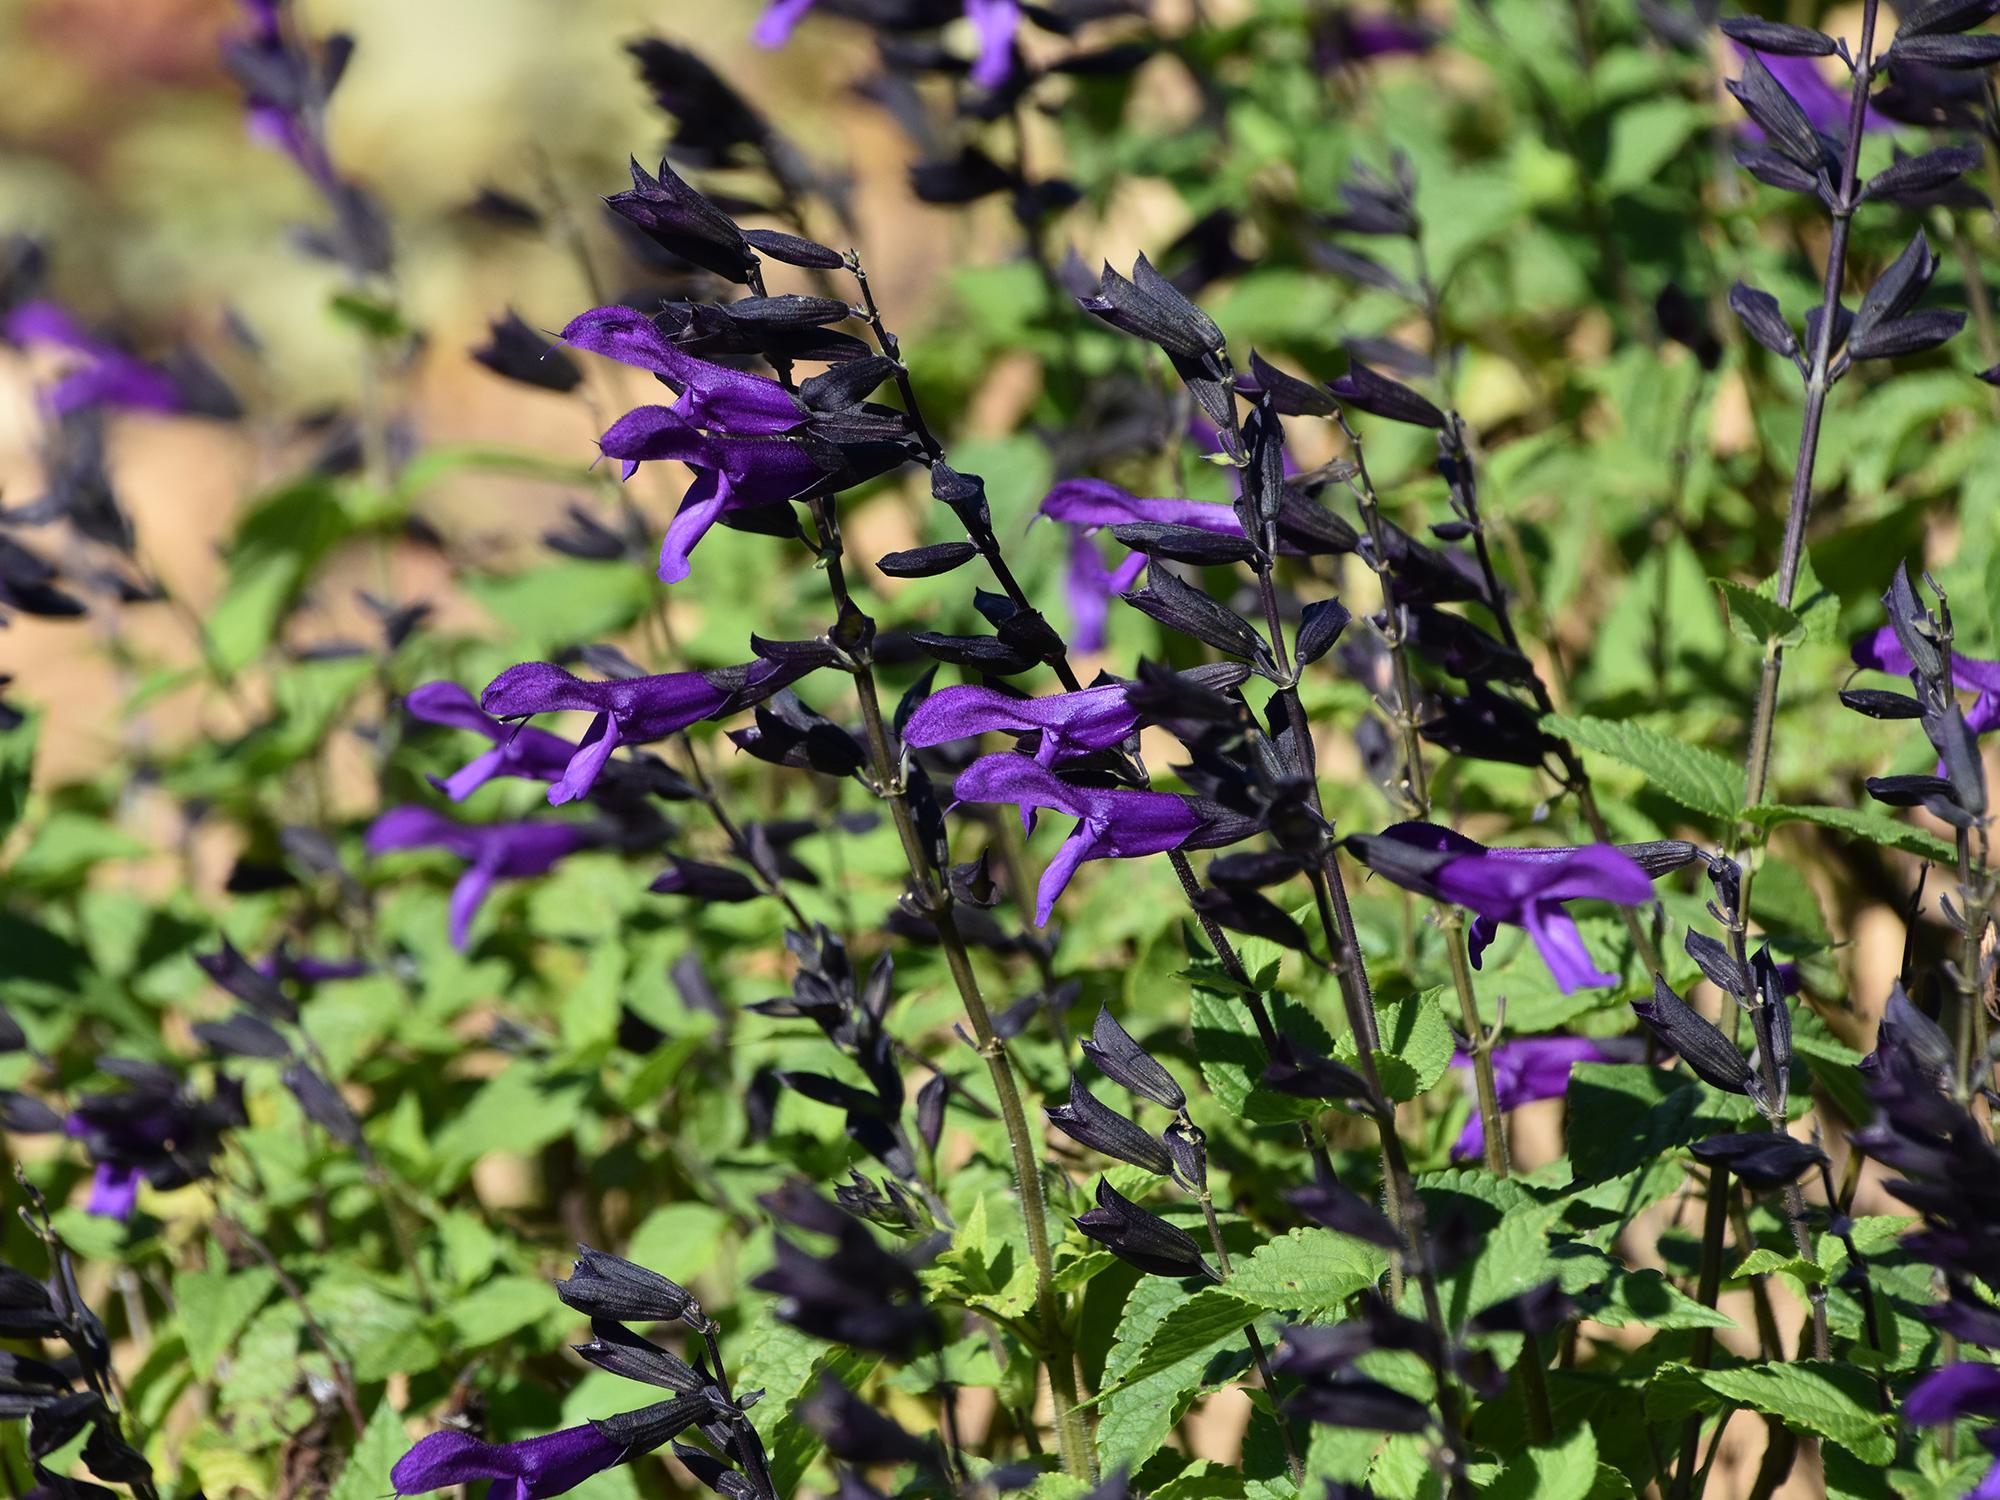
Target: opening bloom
{"points": [[1070, 724], [529, 1469], [1521, 887], [630, 711], [736, 431], [518, 749], [492, 851], [1112, 823], [1882, 652]]}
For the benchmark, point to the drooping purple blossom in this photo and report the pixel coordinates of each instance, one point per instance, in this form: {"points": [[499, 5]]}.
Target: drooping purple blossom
{"points": [[629, 711], [994, 23], [155, 1130], [527, 1469], [1526, 1071], [102, 374], [1882, 652], [1520, 887], [736, 431], [492, 851], [518, 749], [1070, 724], [1112, 823]]}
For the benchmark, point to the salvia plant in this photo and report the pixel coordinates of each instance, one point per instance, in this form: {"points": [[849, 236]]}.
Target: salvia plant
{"points": [[1485, 569]]}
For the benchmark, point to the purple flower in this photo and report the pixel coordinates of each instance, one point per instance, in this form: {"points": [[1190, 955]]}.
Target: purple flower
{"points": [[1884, 653], [528, 1469], [104, 374], [1098, 502], [1368, 34], [1960, 1390], [1113, 824], [492, 851], [1070, 724], [630, 711], [994, 22], [1522, 887], [155, 1130], [1090, 587], [736, 431], [1526, 1071], [518, 750], [1825, 105], [280, 963]]}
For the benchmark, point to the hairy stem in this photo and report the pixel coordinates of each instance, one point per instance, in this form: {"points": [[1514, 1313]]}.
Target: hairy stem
{"points": [[935, 897], [1480, 1040], [1250, 1336]]}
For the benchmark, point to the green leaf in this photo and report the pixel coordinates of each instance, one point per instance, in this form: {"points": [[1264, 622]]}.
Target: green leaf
{"points": [[1645, 138], [1560, 1471], [1646, 1299], [1416, 1045], [1758, 621], [1815, 606], [215, 1306], [68, 846], [278, 542], [679, 1240], [1624, 1115], [1308, 1271], [17, 763], [1830, 1400], [1766, 1262], [366, 1476], [1134, 1420], [1697, 779], [1210, 1315], [1875, 827], [1232, 1057], [497, 1308]]}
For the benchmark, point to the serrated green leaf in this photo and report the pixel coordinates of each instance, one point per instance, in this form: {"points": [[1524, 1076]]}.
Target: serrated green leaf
{"points": [[1646, 1299], [1416, 1045], [1211, 1314], [1766, 1262], [1696, 778], [215, 1306], [1830, 1400], [1877, 828], [1233, 1061], [1308, 1271]]}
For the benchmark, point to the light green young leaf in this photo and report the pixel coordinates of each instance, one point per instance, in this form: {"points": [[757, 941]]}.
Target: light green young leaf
{"points": [[1758, 621]]}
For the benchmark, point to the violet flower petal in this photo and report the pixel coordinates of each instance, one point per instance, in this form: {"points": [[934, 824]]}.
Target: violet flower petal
{"points": [[528, 1469]]}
